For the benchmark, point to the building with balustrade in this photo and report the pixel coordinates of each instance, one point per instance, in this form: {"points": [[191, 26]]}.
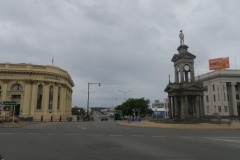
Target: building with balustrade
{"points": [[43, 92], [222, 94]]}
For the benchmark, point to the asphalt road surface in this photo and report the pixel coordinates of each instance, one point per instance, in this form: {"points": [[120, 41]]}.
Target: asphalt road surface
{"points": [[106, 140]]}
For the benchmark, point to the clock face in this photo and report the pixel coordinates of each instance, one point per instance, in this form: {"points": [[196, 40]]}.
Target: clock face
{"points": [[186, 67]]}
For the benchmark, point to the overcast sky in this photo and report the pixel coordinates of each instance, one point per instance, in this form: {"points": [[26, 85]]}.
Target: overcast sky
{"points": [[125, 45]]}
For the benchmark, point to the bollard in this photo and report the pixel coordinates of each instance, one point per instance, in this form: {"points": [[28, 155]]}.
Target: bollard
{"points": [[60, 119], [41, 118], [51, 118]]}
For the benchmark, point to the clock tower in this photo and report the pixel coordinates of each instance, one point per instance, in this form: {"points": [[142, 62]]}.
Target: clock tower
{"points": [[185, 95]]}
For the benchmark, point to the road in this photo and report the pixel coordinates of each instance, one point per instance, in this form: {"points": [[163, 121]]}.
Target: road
{"points": [[107, 140]]}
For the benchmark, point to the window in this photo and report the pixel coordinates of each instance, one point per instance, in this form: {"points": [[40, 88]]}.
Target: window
{"points": [[206, 98], [214, 98], [215, 109], [237, 96], [39, 96], [0, 89], [236, 86], [224, 96], [225, 108], [58, 101], [219, 109], [223, 87], [50, 103], [208, 109], [217, 88], [16, 87], [16, 96], [218, 97], [213, 87], [228, 97]]}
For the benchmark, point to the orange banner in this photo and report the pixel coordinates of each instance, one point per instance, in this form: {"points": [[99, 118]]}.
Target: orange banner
{"points": [[219, 63]]}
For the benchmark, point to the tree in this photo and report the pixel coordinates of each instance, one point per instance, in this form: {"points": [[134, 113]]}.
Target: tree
{"points": [[132, 104]]}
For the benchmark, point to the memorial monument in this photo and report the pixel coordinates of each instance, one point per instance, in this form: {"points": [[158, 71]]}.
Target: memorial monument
{"points": [[185, 95]]}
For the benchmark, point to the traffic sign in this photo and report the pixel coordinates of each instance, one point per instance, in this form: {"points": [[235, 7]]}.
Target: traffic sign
{"points": [[8, 103]]}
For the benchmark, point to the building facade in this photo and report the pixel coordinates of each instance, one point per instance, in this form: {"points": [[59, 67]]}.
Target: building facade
{"points": [[222, 94], [41, 92], [158, 109]]}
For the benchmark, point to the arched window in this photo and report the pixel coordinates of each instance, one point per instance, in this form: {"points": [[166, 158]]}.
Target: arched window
{"points": [[16, 87], [50, 103], [39, 96]]}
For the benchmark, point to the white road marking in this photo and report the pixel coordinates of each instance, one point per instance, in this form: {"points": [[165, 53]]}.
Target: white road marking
{"points": [[136, 135], [32, 133], [96, 135], [226, 140], [158, 136], [71, 134], [187, 137], [83, 128], [6, 133], [115, 135]]}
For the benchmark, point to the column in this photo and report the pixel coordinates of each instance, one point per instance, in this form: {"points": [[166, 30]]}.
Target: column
{"points": [[176, 76], [4, 90], [63, 100], [234, 102], [182, 107], [186, 107], [33, 98], [200, 107], [55, 98], [182, 75], [45, 99], [170, 107], [192, 74], [175, 107], [27, 95], [197, 107]]}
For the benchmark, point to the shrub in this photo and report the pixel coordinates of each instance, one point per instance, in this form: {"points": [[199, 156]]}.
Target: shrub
{"points": [[1, 121]]}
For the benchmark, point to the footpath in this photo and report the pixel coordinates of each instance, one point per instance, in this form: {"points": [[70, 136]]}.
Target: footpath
{"points": [[145, 123]]}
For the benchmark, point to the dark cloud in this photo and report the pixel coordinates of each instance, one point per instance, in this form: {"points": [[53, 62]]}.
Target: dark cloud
{"points": [[125, 45]]}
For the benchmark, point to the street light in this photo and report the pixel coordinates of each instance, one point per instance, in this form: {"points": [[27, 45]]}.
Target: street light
{"points": [[99, 84], [116, 99], [124, 94]]}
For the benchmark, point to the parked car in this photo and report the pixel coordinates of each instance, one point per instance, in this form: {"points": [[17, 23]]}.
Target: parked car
{"points": [[104, 118]]}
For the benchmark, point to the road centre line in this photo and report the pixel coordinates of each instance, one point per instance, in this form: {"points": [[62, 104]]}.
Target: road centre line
{"points": [[186, 137], [136, 135], [83, 128], [71, 134], [159, 136], [96, 135], [220, 137]]}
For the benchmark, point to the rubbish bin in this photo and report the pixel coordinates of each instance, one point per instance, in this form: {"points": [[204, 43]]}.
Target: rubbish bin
{"points": [[29, 118], [69, 118]]}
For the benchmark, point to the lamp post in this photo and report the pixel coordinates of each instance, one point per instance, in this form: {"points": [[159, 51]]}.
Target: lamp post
{"points": [[99, 84], [116, 99], [124, 94]]}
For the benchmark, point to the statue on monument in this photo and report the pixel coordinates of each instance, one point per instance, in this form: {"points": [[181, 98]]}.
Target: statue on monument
{"points": [[181, 36]]}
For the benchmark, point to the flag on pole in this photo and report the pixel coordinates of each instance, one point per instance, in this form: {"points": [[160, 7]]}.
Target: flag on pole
{"points": [[52, 60]]}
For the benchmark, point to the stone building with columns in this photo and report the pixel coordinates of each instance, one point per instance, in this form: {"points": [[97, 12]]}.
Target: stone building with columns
{"points": [[42, 92], [222, 94], [185, 94]]}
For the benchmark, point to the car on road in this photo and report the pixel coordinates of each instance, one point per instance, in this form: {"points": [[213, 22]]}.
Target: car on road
{"points": [[104, 118]]}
